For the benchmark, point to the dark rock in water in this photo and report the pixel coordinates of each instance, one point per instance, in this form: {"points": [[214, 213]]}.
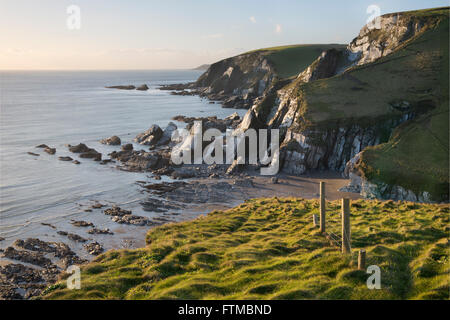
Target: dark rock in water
{"points": [[129, 87], [163, 171], [156, 205], [274, 180], [127, 147], [48, 225], [72, 236], [79, 148], [86, 152], [96, 156], [21, 282], [1, 238], [81, 223], [184, 173], [98, 205], [161, 188], [75, 237], [59, 249], [138, 161], [113, 141], [100, 231], [76, 162], [33, 154], [132, 219], [50, 150], [116, 211], [105, 161], [151, 136], [177, 86], [142, 87], [167, 134], [35, 258], [123, 216], [42, 146], [65, 158], [143, 162], [94, 248], [18, 273], [183, 93]]}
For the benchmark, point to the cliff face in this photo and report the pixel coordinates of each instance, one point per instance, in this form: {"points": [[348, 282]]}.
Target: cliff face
{"points": [[348, 101], [331, 148], [395, 29], [238, 80]]}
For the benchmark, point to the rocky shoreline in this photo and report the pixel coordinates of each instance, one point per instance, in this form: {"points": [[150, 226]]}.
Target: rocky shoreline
{"points": [[30, 265]]}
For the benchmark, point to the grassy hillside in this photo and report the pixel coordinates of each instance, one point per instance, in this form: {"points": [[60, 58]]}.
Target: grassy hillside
{"points": [[417, 156], [268, 249], [368, 91], [290, 60]]}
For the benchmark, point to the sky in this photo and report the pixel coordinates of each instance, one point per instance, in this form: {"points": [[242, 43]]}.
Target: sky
{"points": [[168, 34]]}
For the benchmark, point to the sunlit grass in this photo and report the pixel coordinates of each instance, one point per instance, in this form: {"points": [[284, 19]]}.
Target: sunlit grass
{"points": [[269, 249]]}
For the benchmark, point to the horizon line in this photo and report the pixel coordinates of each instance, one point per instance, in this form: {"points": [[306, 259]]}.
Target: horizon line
{"points": [[161, 69]]}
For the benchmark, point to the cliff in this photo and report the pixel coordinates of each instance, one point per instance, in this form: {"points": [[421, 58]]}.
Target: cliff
{"points": [[349, 101], [239, 81]]}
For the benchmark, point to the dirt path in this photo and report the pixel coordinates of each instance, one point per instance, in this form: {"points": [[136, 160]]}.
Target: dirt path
{"points": [[306, 186]]}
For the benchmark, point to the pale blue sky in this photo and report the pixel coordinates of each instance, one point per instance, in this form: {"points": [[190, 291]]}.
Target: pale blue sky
{"points": [[172, 34]]}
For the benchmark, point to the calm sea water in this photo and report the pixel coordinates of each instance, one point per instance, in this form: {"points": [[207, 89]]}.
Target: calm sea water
{"points": [[59, 108]]}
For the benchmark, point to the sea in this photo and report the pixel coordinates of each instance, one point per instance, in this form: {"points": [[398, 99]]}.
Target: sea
{"points": [[58, 108]]}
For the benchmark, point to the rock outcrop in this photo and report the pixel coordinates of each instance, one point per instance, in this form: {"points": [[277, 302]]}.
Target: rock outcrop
{"points": [[321, 131], [385, 34], [113, 141], [150, 137]]}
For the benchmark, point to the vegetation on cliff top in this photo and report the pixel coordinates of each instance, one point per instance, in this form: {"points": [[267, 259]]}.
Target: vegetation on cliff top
{"points": [[289, 61], [416, 156], [269, 249]]}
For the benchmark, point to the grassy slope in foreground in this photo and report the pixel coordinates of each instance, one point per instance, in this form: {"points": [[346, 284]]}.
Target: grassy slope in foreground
{"points": [[268, 249], [290, 60]]}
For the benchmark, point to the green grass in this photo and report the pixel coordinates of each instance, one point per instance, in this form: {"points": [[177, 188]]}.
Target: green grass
{"points": [[416, 156], [268, 249], [290, 60], [411, 73]]}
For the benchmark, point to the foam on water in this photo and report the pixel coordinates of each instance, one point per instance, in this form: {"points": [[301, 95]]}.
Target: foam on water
{"points": [[59, 108]]}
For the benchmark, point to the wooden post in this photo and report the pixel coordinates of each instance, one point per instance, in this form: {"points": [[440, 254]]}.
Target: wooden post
{"points": [[345, 214], [362, 259], [315, 220], [322, 206]]}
